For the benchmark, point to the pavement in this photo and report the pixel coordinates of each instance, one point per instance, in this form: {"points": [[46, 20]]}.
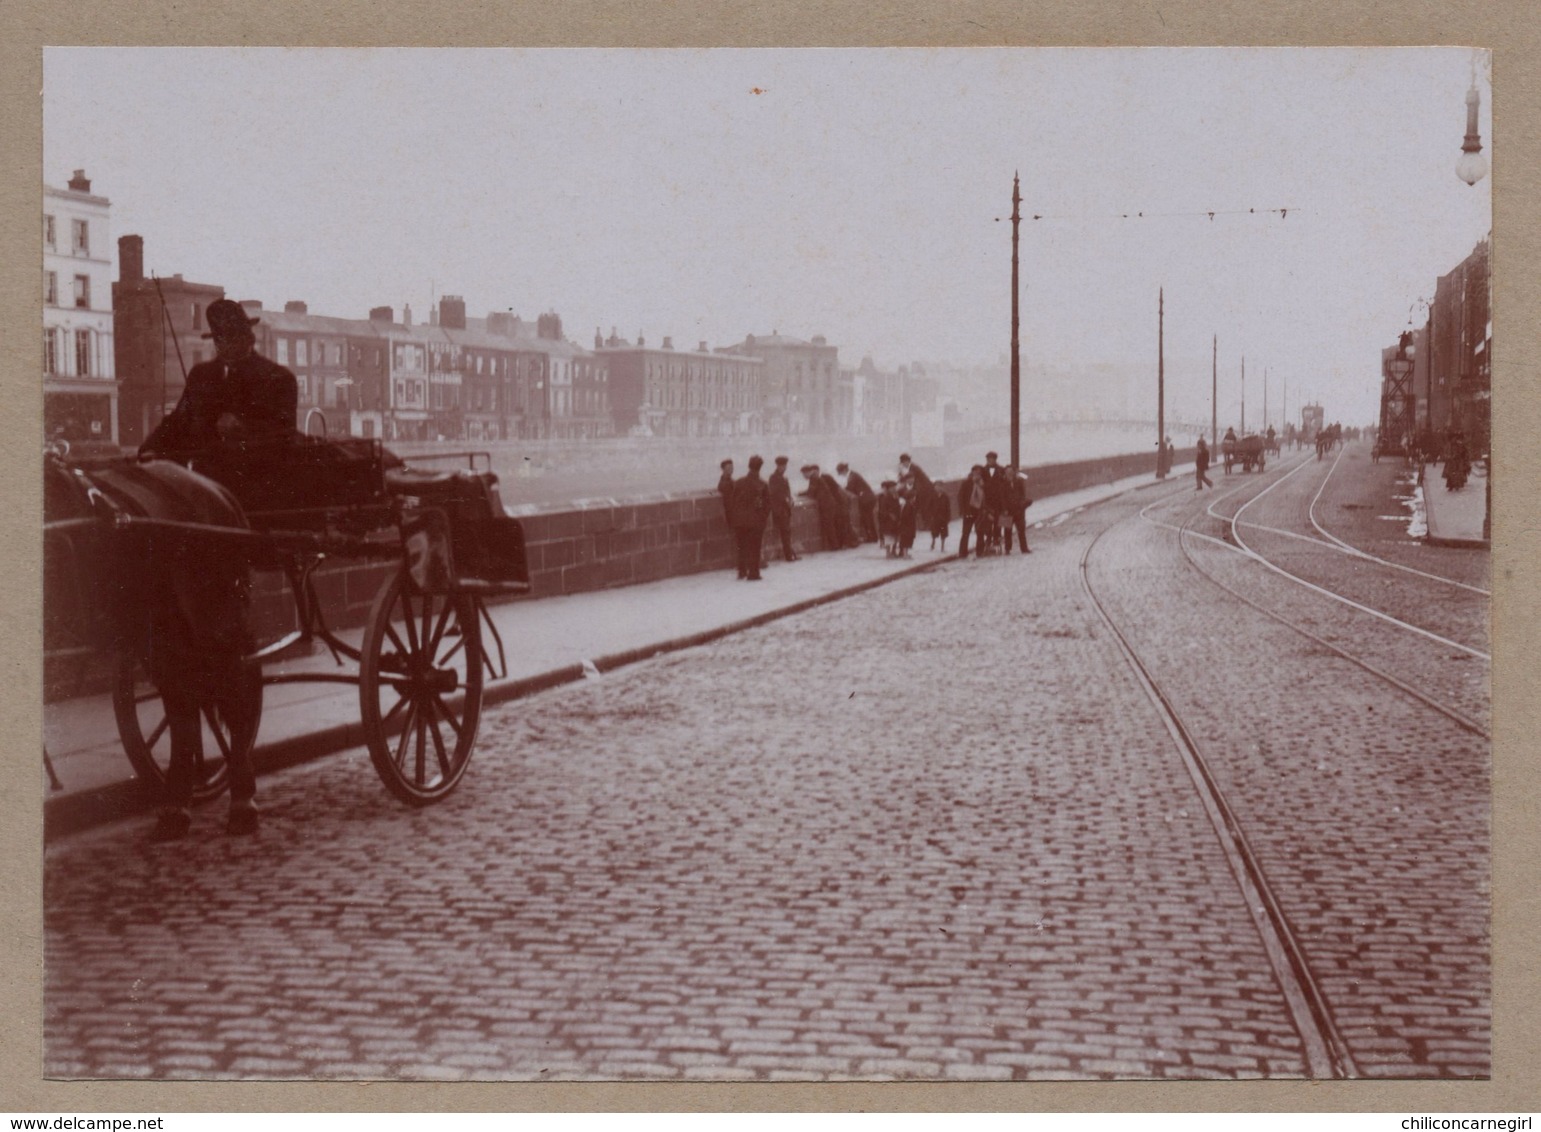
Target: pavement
{"points": [[1455, 518], [548, 642]]}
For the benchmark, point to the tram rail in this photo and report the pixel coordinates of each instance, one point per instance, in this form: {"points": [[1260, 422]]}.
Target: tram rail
{"points": [[1327, 1054]]}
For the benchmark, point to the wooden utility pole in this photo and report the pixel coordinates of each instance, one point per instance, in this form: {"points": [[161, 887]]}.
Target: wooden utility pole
{"points": [[1214, 390], [1016, 345], [1161, 383], [1244, 395]]}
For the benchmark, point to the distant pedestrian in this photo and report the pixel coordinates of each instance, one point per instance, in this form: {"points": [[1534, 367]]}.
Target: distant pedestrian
{"points": [[971, 505], [725, 489], [781, 507], [1201, 467], [921, 489], [941, 519], [1017, 503], [889, 507], [907, 513], [992, 525], [858, 488], [845, 529], [750, 506], [829, 524]]}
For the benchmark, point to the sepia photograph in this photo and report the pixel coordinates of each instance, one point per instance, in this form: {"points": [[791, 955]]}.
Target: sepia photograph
{"points": [[767, 564]]}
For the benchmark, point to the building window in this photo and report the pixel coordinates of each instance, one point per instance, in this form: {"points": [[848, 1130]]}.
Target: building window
{"points": [[337, 355], [50, 240], [83, 353], [83, 292], [300, 352], [82, 236], [50, 352], [342, 396], [51, 288], [197, 316], [283, 352]]}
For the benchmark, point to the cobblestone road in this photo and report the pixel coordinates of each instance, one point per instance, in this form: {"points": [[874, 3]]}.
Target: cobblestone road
{"points": [[1369, 810], [933, 831]]}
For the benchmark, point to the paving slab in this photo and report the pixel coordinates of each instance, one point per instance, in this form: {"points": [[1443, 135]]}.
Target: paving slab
{"points": [[1456, 518]]}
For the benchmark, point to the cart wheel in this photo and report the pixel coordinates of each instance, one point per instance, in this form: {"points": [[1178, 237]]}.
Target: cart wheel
{"points": [[420, 689], [146, 736]]}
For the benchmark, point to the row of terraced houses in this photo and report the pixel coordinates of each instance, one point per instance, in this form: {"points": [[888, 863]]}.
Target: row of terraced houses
{"points": [[112, 373]]}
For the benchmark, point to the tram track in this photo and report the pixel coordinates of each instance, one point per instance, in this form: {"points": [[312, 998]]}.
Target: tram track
{"points": [[1185, 532], [1357, 552], [1311, 1010], [1246, 548], [1238, 544], [1327, 1054]]}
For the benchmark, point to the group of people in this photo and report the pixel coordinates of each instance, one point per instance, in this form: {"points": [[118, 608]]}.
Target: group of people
{"points": [[993, 503]]}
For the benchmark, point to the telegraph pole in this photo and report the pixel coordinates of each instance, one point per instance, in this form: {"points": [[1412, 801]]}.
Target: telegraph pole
{"points": [[1265, 398], [1244, 395], [1016, 345], [1214, 390], [1161, 383]]}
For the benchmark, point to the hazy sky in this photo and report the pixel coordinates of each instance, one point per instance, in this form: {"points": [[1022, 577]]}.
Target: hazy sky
{"points": [[850, 193]]}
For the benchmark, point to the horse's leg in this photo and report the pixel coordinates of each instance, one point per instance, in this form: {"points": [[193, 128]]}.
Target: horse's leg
{"points": [[175, 817]]}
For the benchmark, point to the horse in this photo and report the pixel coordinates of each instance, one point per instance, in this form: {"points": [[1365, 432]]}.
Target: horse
{"points": [[172, 598], [1327, 439]]}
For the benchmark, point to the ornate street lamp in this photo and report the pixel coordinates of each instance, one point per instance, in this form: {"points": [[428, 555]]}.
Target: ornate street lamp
{"points": [[1472, 166]]}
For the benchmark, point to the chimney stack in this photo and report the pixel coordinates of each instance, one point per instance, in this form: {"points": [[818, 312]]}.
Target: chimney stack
{"points": [[452, 312], [406, 314], [80, 183], [668, 342], [295, 306], [381, 314], [130, 259], [702, 349]]}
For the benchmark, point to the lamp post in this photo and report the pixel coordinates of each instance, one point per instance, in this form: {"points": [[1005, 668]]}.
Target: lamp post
{"points": [[1471, 168]]}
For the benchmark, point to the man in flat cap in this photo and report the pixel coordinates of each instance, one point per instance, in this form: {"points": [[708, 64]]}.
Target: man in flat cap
{"points": [[240, 396], [781, 507]]}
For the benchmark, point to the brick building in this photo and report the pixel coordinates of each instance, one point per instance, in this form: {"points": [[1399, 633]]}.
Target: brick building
{"points": [[661, 391], [1460, 347], [158, 329]]}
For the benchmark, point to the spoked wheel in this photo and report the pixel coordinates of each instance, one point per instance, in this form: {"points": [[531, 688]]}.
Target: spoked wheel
{"points": [[420, 689], [229, 726]]}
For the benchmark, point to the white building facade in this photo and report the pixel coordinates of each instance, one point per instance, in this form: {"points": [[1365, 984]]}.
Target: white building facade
{"points": [[80, 388]]}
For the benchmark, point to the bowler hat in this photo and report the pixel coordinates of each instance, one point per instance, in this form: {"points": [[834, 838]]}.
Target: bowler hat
{"points": [[226, 316]]}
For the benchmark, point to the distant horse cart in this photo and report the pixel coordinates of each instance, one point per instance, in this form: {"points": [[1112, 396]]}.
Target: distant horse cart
{"points": [[1249, 452], [147, 563], [1327, 439]]}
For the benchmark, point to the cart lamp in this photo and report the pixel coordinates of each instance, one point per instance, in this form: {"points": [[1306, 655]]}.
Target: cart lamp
{"points": [[1472, 166]]}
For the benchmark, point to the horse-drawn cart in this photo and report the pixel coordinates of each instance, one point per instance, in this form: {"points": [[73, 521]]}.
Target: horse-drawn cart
{"points": [[1249, 451], [423, 658]]}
